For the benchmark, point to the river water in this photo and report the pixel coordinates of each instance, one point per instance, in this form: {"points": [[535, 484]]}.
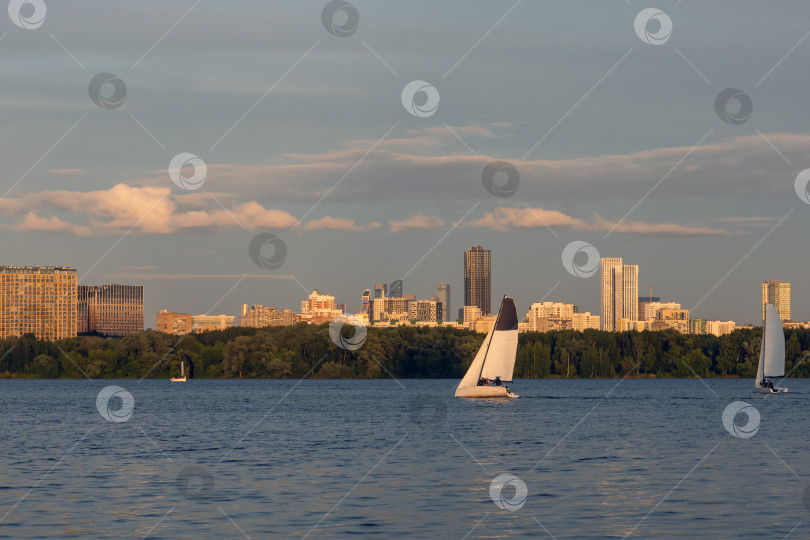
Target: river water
{"points": [[402, 459]]}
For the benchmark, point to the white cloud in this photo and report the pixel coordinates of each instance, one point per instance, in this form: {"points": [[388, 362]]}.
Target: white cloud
{"points": [[508, 218], [416, 221], [35, 223], [148, 209], [337, 224]]}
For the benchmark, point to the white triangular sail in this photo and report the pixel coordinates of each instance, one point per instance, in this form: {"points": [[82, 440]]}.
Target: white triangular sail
{"points": [[500, 361], [182, 368], [772, 351], [474, 373], [772, 356], [496, 357]]}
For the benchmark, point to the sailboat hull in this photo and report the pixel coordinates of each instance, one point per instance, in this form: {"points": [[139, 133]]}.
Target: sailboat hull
{"points": [[178, 379], [485, 392], [763, 390]]}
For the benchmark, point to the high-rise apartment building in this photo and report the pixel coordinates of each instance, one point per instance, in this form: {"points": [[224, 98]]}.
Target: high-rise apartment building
{"points": [[778, 294], [478, 278], [619, 292], [110, 310], [39, 300], [170, 322], [443, 296]]}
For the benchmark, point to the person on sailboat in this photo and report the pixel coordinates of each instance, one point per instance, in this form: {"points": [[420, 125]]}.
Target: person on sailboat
{"points": [[483, 382], [766, 383], [497, 381]]}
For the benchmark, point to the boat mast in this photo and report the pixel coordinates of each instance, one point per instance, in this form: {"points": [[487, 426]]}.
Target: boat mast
{"points": [[492, 335]]}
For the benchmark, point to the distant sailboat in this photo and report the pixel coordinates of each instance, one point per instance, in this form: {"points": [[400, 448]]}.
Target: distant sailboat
{"points": [[495, 361], [182, 377], [772, 353]]}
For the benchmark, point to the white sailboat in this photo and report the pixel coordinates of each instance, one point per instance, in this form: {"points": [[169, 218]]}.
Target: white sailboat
{"points": [[182, 377], [772, 353], [495, 362]]}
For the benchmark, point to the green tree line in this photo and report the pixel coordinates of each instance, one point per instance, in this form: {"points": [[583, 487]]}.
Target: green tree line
{"points": [[402, 352]]}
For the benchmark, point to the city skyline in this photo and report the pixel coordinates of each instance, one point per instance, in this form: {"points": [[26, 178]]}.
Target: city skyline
{"points": [[784, 306], [641, 168]]}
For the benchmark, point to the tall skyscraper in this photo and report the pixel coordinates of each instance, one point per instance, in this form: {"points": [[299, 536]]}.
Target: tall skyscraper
{"points": [[110, 310], [478, 278], [778, 294], [443, 294], [39, 300], [619, 292], [380, 290], [365, 301], [395, 290]]}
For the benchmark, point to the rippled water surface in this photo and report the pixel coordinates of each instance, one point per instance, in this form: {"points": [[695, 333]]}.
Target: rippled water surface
{"points": [[325, 459]]}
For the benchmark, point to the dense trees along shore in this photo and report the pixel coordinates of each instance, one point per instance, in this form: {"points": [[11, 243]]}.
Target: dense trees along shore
{"points": [[405, 352]]}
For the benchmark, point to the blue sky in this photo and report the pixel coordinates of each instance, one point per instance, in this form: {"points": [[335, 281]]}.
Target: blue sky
{"points": [[285, 114]]}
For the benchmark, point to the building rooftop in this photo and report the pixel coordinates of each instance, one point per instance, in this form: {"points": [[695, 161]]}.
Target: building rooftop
{"points": [[36, 269]]}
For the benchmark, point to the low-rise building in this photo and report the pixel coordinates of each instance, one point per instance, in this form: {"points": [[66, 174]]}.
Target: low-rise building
{"points": [[697, 326], [471, 314], [484, 324], [205, 323], [319, 308], [720, 328], [625, 325], [795, 325], [425, 310], [259, 316], [170, 322], [584, 321], [677, 319]]}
